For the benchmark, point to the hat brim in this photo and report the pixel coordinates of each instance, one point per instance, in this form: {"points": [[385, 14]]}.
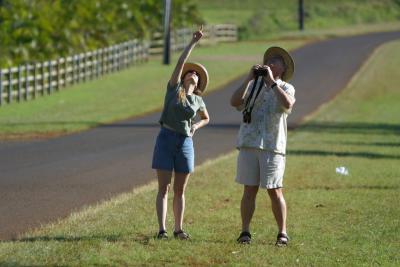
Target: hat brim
{"points": [[200, 70], [277, 51]]}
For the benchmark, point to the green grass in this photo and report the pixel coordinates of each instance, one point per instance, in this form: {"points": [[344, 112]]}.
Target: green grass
{"points": [[128, 93], [333, 220], [259, 19]]}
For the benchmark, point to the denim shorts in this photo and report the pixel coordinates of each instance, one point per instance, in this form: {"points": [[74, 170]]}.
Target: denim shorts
{"points": [[173, 151]]}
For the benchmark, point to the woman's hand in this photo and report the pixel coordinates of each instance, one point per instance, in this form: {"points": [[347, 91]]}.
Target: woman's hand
{"points": [[193, 129], [197, 35], [176, 75], [204, 120]]}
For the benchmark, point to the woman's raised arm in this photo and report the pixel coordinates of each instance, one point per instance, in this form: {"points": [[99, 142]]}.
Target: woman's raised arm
{"points": [[176, 75]]}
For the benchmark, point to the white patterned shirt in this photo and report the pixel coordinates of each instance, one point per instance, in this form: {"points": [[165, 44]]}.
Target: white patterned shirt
{"points": [[268, 127]]}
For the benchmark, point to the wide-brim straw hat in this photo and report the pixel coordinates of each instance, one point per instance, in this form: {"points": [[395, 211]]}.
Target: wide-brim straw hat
{"points": [[201, 72], [278, 51]]}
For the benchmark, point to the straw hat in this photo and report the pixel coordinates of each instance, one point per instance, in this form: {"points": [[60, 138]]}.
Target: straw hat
{"points": [[277, 51], [201, 72]]}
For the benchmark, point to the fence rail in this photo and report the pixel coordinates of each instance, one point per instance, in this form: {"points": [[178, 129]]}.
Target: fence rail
{"points": [[28, 81]]}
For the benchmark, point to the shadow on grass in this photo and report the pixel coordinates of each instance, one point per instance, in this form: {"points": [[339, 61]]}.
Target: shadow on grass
{"points": [[368, 155], [138, 237], [350, 127], [380, 144], [350, 187]]}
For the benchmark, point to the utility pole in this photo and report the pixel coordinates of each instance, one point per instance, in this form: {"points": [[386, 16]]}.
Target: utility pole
{"points": [[167, 31], [301, 15]]}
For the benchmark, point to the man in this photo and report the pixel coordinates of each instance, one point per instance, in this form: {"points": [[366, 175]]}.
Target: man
{"points": [[262, 136]]}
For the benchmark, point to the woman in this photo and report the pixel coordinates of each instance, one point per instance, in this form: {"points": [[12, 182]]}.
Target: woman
{"points": [[174, 146]]}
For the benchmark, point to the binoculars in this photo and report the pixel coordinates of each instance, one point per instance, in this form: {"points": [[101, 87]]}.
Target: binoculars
{"points": [[260, 71]]}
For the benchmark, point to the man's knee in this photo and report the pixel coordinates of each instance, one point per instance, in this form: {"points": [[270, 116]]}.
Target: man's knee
{"points": [[275, 194], [250, 192]]}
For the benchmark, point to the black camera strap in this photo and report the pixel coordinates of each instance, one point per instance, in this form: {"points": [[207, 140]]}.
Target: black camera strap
{"points": [[249, 107]]}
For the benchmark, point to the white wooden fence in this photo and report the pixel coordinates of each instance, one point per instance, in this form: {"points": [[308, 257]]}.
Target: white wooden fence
{"points": [[180, 38], [28, 81]]}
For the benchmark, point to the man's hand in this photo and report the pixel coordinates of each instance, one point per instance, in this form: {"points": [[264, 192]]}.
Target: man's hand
{"points": [[251, 75], [269, 78]]}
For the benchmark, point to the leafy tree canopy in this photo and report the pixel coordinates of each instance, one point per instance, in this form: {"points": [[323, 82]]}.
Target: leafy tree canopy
{"points": [[35, 30]]}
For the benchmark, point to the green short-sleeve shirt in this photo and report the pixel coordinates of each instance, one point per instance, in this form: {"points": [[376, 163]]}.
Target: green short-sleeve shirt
{"points": [[178, 115]]}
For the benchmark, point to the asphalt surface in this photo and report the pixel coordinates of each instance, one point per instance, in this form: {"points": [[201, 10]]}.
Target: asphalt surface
{"points": [[41, 181]]}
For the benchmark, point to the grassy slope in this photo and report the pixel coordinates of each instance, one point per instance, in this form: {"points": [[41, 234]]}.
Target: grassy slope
{"points": [[333, 220]]}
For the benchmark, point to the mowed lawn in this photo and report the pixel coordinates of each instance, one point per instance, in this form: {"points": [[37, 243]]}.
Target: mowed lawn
{"points": [[333, 219]]}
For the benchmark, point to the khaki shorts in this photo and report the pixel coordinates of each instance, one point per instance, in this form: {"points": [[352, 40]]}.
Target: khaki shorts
{"points": [[260, 167]]}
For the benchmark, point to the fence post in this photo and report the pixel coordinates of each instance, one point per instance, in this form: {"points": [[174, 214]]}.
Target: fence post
{"points": [[43, 67], [87, 66], [96, 53], [19, 83], [114, 57], [66, 72], [129, 53], [1, 87], [93, 65], [134, 57], [26, 81], [78, 68], [83, 67], [58, 74], [101, 62], [34, 80], [123, 55], [134, 52], [111, 55], [118, 57], [50, 82], [10, 85], [73, 69]]}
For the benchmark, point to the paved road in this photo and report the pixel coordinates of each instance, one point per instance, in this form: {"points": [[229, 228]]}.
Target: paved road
{"points": [[44, 180]]}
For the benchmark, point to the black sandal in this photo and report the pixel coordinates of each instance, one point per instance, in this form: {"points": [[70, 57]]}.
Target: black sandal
{"points": [[182, 235], [162, 234], [282, 240], [244, 238]]}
